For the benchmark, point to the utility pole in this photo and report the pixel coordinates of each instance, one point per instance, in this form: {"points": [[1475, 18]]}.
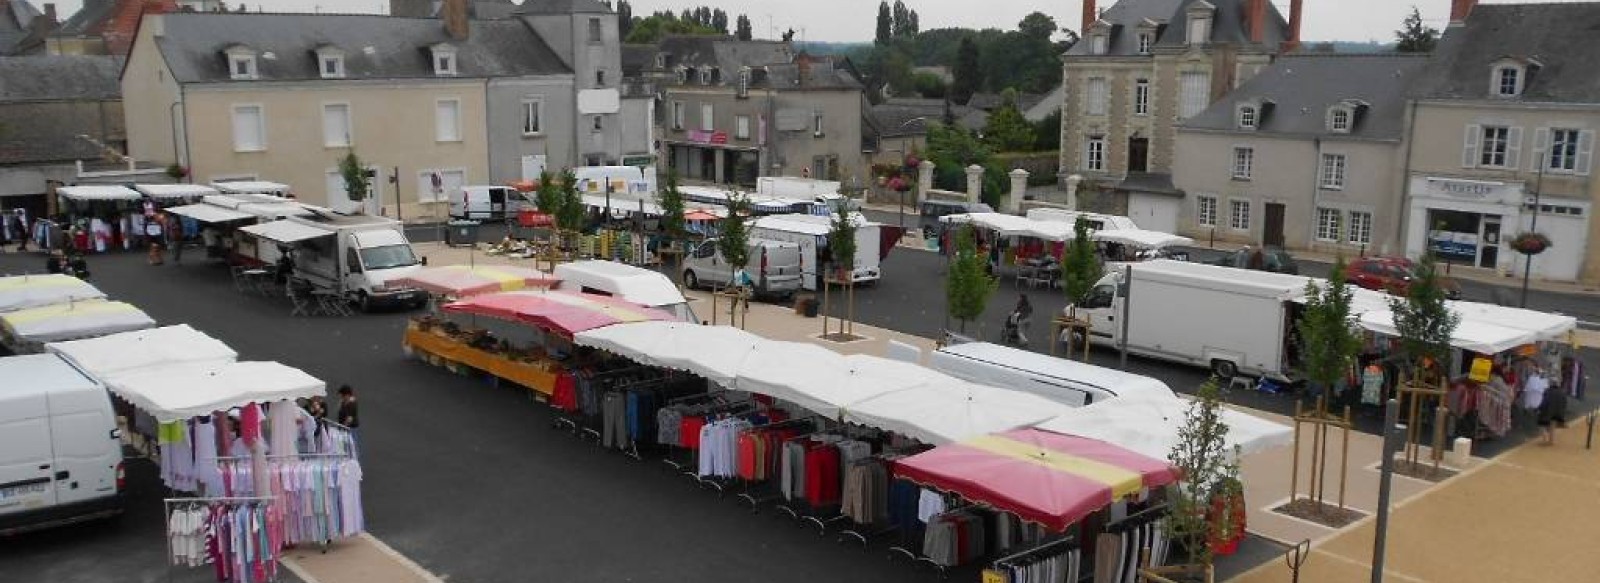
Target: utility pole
{"points": [[1533, 227], [1392, 433]]}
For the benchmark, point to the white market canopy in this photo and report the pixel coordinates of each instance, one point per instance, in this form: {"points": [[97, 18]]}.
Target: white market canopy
{"points": [[1150, 425], [73, 320], [129, 351], [1046, 230], [1471, 334], [286, 232], [208, 213], [1140, 238], [952, 410], [169, 191], [1544, 325], [31, 291], [251, 187], [712, 352], [175, 393], [92, 192], [993, 221]]}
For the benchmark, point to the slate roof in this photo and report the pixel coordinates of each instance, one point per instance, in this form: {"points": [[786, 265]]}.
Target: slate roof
{"points": [[376, 47], [636, 59], [1228, 27], [722, 51], [561, 7], [1561, 37], [895, 116], [89, 19], [60, 77], [1149, 182], [1303, 86], [16, 16]]}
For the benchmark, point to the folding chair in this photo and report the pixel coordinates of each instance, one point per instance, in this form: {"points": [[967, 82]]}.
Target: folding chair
{"points": [[299, 293]]}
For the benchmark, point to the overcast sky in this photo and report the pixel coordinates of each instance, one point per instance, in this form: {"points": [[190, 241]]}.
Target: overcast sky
{"points": [[853, 20]]}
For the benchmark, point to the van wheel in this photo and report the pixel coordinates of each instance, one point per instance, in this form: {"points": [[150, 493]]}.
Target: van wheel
{"points": [[690, 281], [1224, 369], [364, 302]]}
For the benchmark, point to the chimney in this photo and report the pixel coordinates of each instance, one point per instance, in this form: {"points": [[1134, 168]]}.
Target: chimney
{"points": [[50, 12], [1460, 10], [1255, 19], [454, 14], [1292, 43], [1089, 16]]}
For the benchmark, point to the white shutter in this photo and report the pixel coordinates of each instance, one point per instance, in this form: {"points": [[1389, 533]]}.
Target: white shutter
{"points": [[1585, 151], [336, 125], [1469, 150], [1541, 145], [337, 195], [247, 129], [447, 120], [1513, 147], [707, 117]]}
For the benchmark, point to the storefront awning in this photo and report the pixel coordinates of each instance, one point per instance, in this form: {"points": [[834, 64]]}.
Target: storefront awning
{"points": [[173, 191], [178, 392], [1150, 425], [565, 313], [206, 213], [130, 351], [286, 232], [73, 320], [31, 291], [1043, 477], [95, 192]]}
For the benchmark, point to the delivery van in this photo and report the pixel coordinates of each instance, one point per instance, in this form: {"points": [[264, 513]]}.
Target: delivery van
{"points": [[775, 267], [60, 450], [355, 255], [1065, 381], [486, 203]]}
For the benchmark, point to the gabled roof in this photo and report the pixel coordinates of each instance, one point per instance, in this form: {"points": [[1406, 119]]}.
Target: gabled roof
{"points": [[562, 7], [376, 47], [60, 77], [1128, 14], [1560, 37], [89, 19], [1227, 26], [1303, 86], [638, 58], [722, 51], [16, 19]]}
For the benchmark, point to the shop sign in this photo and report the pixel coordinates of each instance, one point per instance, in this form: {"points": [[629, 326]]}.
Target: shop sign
{"points": [[705, 137], [1471, 189]]}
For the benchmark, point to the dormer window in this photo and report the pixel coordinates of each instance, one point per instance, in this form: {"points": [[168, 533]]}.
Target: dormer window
{"points": [[1199, 28], [705, 76], [1099, 44], [1248, 116], [716, 75], [330, 62], [1339, 120], [241, 63], [683, 76], [661, 60], [1508, 81], [1146, 40], [444, 59], [744, 82]]}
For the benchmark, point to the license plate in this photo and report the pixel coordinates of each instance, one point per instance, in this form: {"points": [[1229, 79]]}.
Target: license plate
{"points": [[407, 296], [19, 491]]}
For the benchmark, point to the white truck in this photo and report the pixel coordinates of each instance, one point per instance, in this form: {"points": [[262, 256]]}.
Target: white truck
{"points": [[1230, 320], [356, 255], [811, 233]]}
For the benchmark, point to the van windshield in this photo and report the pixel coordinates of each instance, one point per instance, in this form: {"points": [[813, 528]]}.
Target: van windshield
{"points": [[388, 257]]}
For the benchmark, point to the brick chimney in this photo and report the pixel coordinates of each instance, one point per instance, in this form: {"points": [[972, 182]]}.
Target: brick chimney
{"points": [[454, 14], [1089, 16], [1460, 10], [1255, 19], [1292, 43]]}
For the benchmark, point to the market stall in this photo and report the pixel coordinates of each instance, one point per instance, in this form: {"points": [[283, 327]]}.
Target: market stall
{"points": [[1127, 245], [175, 191], [97, 193], [457, 281], [126, 352], [947, 410], [1150, 425], [261, 187], [21, 292], [27, 330], [1472, 335]]}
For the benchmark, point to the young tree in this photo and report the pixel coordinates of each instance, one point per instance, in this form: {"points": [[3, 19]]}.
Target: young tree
{"points": [[548, 197], [741, 29], [968, 75], [885, 31], [671, 201], [1007, 130], [901, 19], [354, 173], [1414, 36], [733, 240], [570, 211], [842, 240], [968, 285], [719, 20], [1209, 476], [1079, 269], [1328, 337], [1422, 320]]}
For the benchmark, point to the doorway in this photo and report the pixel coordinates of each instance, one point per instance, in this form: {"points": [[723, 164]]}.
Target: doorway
{"points": [[1489, 251], [1138, 154], [1272, 230]]}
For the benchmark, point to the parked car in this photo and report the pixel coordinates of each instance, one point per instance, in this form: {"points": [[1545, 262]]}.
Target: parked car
{"points": [[932, 210], [1273, 259], [1393, 275]]}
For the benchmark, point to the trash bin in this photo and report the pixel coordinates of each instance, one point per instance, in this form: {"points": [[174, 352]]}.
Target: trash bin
{"points": [[461, 233]]}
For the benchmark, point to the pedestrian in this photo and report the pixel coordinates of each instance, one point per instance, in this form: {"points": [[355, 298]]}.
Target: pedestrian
{"points": [[1553, 408], [1023, 314], [175, 237], [19, 229], [350, 412], [153, 231]]}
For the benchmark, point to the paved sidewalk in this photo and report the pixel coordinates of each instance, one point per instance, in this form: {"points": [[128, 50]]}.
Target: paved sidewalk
{"points": [[361, 559], [1525, 516]]}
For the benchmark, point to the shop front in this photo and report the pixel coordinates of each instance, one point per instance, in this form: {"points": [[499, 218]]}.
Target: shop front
{"points": [[707, 156], [1462, 221]]}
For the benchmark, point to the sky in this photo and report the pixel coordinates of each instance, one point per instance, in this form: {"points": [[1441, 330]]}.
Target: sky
{"points": [[854, 20]]}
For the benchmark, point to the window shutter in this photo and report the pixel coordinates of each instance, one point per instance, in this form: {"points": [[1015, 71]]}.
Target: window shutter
{"points": [[1541, 144], [1469, 151], [1585, 151], [1513, 147]]}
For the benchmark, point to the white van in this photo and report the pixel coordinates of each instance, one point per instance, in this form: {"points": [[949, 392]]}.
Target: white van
{"points": [[1058, 379], [486, 202], [635, 284], [60, 450], [774, 265]]}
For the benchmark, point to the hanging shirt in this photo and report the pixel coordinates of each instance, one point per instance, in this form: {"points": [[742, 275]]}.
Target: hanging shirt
{"points": [[1533, 391], [929, 504]]}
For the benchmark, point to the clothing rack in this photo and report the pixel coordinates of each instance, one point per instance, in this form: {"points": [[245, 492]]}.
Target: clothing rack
{"points": [[1062, 544], [168, 504], [751, 498], [862, 535], [1137, 519]]}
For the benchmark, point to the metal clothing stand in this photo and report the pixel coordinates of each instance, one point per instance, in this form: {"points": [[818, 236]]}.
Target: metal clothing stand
{"points": [[1058, 546], [169, 503]]}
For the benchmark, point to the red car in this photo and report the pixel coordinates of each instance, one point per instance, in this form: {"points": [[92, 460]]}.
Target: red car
{"points": [[1393, 275]]}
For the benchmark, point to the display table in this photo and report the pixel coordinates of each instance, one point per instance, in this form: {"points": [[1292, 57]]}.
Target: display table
{"points": [[437, 345]]}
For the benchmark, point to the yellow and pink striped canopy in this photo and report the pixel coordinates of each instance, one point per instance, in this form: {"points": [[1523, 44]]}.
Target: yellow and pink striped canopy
{"points": [[461, 280]]}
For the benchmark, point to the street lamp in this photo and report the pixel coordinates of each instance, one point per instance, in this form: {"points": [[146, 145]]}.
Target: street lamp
{"points": [[1533, 227], [906, 151]]}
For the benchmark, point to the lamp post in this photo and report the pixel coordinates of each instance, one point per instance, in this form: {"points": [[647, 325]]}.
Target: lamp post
{"points": [[1533, 227], [906, 152]]}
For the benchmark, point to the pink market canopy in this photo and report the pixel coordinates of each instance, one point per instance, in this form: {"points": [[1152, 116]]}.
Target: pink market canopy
{"points": [[462, 280], [565, 313], [1043, 477]]}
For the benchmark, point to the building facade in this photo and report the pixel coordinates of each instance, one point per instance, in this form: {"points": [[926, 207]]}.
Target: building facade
{"points": [[1503, 131], [428, 104], [55, 112], [1141, 68], [1305, 155]]}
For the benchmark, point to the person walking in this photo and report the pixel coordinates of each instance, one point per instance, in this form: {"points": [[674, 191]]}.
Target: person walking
{"points": [[350, 412], [175, 236], [154, 232], [18, 225]]}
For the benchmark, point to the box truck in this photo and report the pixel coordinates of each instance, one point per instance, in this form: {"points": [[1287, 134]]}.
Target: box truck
{"points": [[1230, 320], [357, 255], [60, 450]]}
